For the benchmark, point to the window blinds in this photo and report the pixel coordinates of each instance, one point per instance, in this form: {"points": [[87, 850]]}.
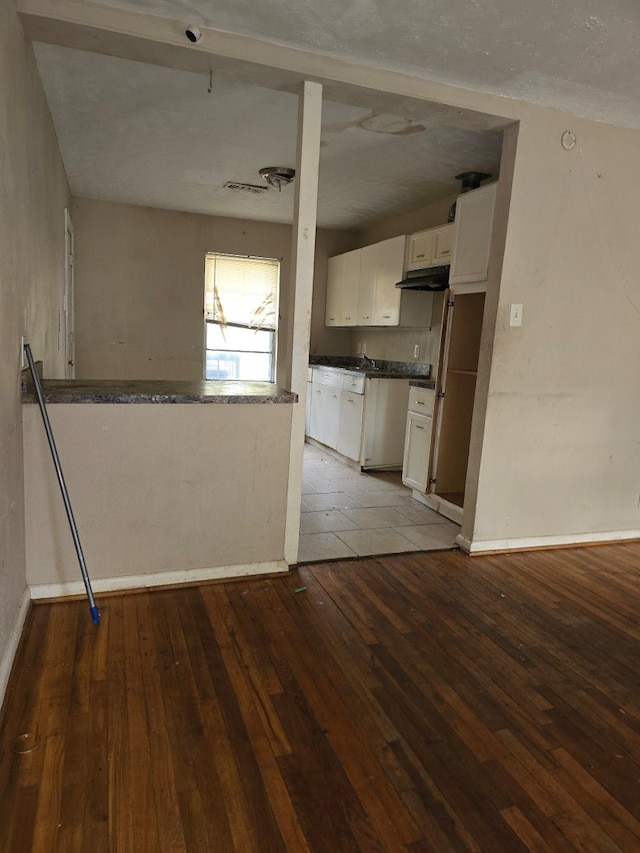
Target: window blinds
{"points": [[242, 290]]}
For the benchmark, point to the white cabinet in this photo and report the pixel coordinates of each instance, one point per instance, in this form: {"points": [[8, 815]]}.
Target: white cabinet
{"points": [[474, 227], [361, 285], [331, 422], [384, 422], [316, 413], [417, 444], [325, 406], [343, 283], [350, 433], [381, 269], [430, 248], [362, 418]]}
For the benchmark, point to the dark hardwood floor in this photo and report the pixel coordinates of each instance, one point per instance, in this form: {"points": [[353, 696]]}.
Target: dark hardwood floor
{"points": [[423, 702]]}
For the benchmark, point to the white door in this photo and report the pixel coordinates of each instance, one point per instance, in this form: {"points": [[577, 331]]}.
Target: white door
{"points": [[68, 333]]}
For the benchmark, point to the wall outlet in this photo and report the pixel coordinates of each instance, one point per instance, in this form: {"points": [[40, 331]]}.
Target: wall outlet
{"points": [[364, 348], [358, 349], [416, 350]]}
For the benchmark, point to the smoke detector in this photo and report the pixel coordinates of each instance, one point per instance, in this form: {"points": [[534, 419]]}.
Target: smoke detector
{"points": [[278, 176]]}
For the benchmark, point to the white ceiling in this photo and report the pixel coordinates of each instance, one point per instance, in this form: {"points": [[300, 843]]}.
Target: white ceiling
{"points": [[155, 136], [150, 135]]}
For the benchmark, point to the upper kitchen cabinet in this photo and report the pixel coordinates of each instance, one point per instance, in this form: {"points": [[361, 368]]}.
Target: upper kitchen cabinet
{"points": [[361, 285], [430, 248], [474, 226], [380, 270], [343, 284]]}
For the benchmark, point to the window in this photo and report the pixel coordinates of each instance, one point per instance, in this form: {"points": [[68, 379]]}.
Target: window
{"points": [[241, 312]]}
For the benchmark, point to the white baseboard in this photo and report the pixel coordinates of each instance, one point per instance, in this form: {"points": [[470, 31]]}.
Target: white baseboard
{"points": [[175, 578], [451, 511], [534, 542], [12, 646]]}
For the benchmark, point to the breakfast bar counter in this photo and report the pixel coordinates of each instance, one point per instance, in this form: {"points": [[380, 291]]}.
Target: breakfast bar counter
{"points": [[171, 489]]}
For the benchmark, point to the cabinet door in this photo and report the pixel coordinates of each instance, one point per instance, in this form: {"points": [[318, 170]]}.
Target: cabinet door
{"points": [[307, 417], [331, 422], [316, 418], [420, 250], [443, 243], [350, 287], [366, 295], [335, 277], [350, 434], [343, 284], [389, 261], [474, 226], [417, 446]]}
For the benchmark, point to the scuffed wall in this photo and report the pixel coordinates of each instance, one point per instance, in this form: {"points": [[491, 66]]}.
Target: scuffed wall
{"points": [[140, 284], [33, 196]]}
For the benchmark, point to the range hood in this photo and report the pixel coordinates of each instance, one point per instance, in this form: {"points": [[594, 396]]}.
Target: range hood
{"points": [[431, 278]]}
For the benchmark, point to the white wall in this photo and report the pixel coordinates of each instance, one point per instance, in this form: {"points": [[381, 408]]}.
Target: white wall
{"points": [[158, 488], [140, 284], [560, 460], [33, 195]]}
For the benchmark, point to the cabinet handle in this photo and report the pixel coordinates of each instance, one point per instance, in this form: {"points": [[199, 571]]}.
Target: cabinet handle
{"points": [[347, 318], [352, 402], [420, 402], [386, 316], [420, 256], [366, 317], [417, 426], [446, 252]]}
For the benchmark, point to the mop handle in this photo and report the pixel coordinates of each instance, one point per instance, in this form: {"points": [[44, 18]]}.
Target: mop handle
{"points": [[95, 614]]}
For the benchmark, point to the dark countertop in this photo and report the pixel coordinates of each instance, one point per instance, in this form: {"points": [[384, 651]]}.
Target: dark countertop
{"points": [[159, 391], [383, 369], [423, 383]]}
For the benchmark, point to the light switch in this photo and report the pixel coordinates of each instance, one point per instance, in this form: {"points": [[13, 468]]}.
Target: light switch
{"points": [[515, 314]]}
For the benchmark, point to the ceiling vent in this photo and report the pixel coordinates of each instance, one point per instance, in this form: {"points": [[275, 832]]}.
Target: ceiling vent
{"points": [[245, 188]]}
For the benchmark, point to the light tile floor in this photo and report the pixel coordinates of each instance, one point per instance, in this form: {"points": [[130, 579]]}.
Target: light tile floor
{"points": [[346, 513]]}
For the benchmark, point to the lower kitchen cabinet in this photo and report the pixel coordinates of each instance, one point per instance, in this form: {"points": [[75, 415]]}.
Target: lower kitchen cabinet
{"points": [[416, 451], [361, 418], [417, 444], [350, 431]]}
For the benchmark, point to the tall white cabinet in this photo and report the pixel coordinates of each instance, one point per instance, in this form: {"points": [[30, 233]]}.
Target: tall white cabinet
{"points": [[474, 228]]}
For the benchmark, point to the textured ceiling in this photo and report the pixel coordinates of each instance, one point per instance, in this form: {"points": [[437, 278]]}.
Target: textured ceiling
{"points": [[578, 55], [150, 135], [155, 136]]}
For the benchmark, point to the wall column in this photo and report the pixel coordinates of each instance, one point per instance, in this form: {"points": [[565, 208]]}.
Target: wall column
{"points": [[302, 261]]}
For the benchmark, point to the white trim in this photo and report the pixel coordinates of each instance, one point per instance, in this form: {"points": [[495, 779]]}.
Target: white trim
{"points": [[566, 540], [451, 511], [305, 209], [12, 645], [463, 542], [175, 578]]}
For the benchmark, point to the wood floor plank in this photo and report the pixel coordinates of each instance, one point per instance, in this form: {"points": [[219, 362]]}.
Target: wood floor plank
{"points": [[416, 702]]}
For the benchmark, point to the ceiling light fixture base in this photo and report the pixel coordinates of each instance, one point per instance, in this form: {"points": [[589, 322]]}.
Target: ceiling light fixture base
{"points": [[278, 176]]}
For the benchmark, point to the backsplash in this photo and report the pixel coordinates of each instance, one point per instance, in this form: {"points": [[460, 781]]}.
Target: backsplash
{"points": [[398, 344]]}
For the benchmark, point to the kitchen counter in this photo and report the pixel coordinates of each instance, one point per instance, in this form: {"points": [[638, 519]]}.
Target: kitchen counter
{"points": [[423, 383], [383, 369], [159, 391]]}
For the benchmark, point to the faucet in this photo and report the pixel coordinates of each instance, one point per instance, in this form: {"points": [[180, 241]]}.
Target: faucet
{"points": [[368, 362]]}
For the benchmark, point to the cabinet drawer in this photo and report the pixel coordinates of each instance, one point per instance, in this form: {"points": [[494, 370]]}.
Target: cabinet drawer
{"points": [[352, 383], [321, 376], [422, 400]]}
